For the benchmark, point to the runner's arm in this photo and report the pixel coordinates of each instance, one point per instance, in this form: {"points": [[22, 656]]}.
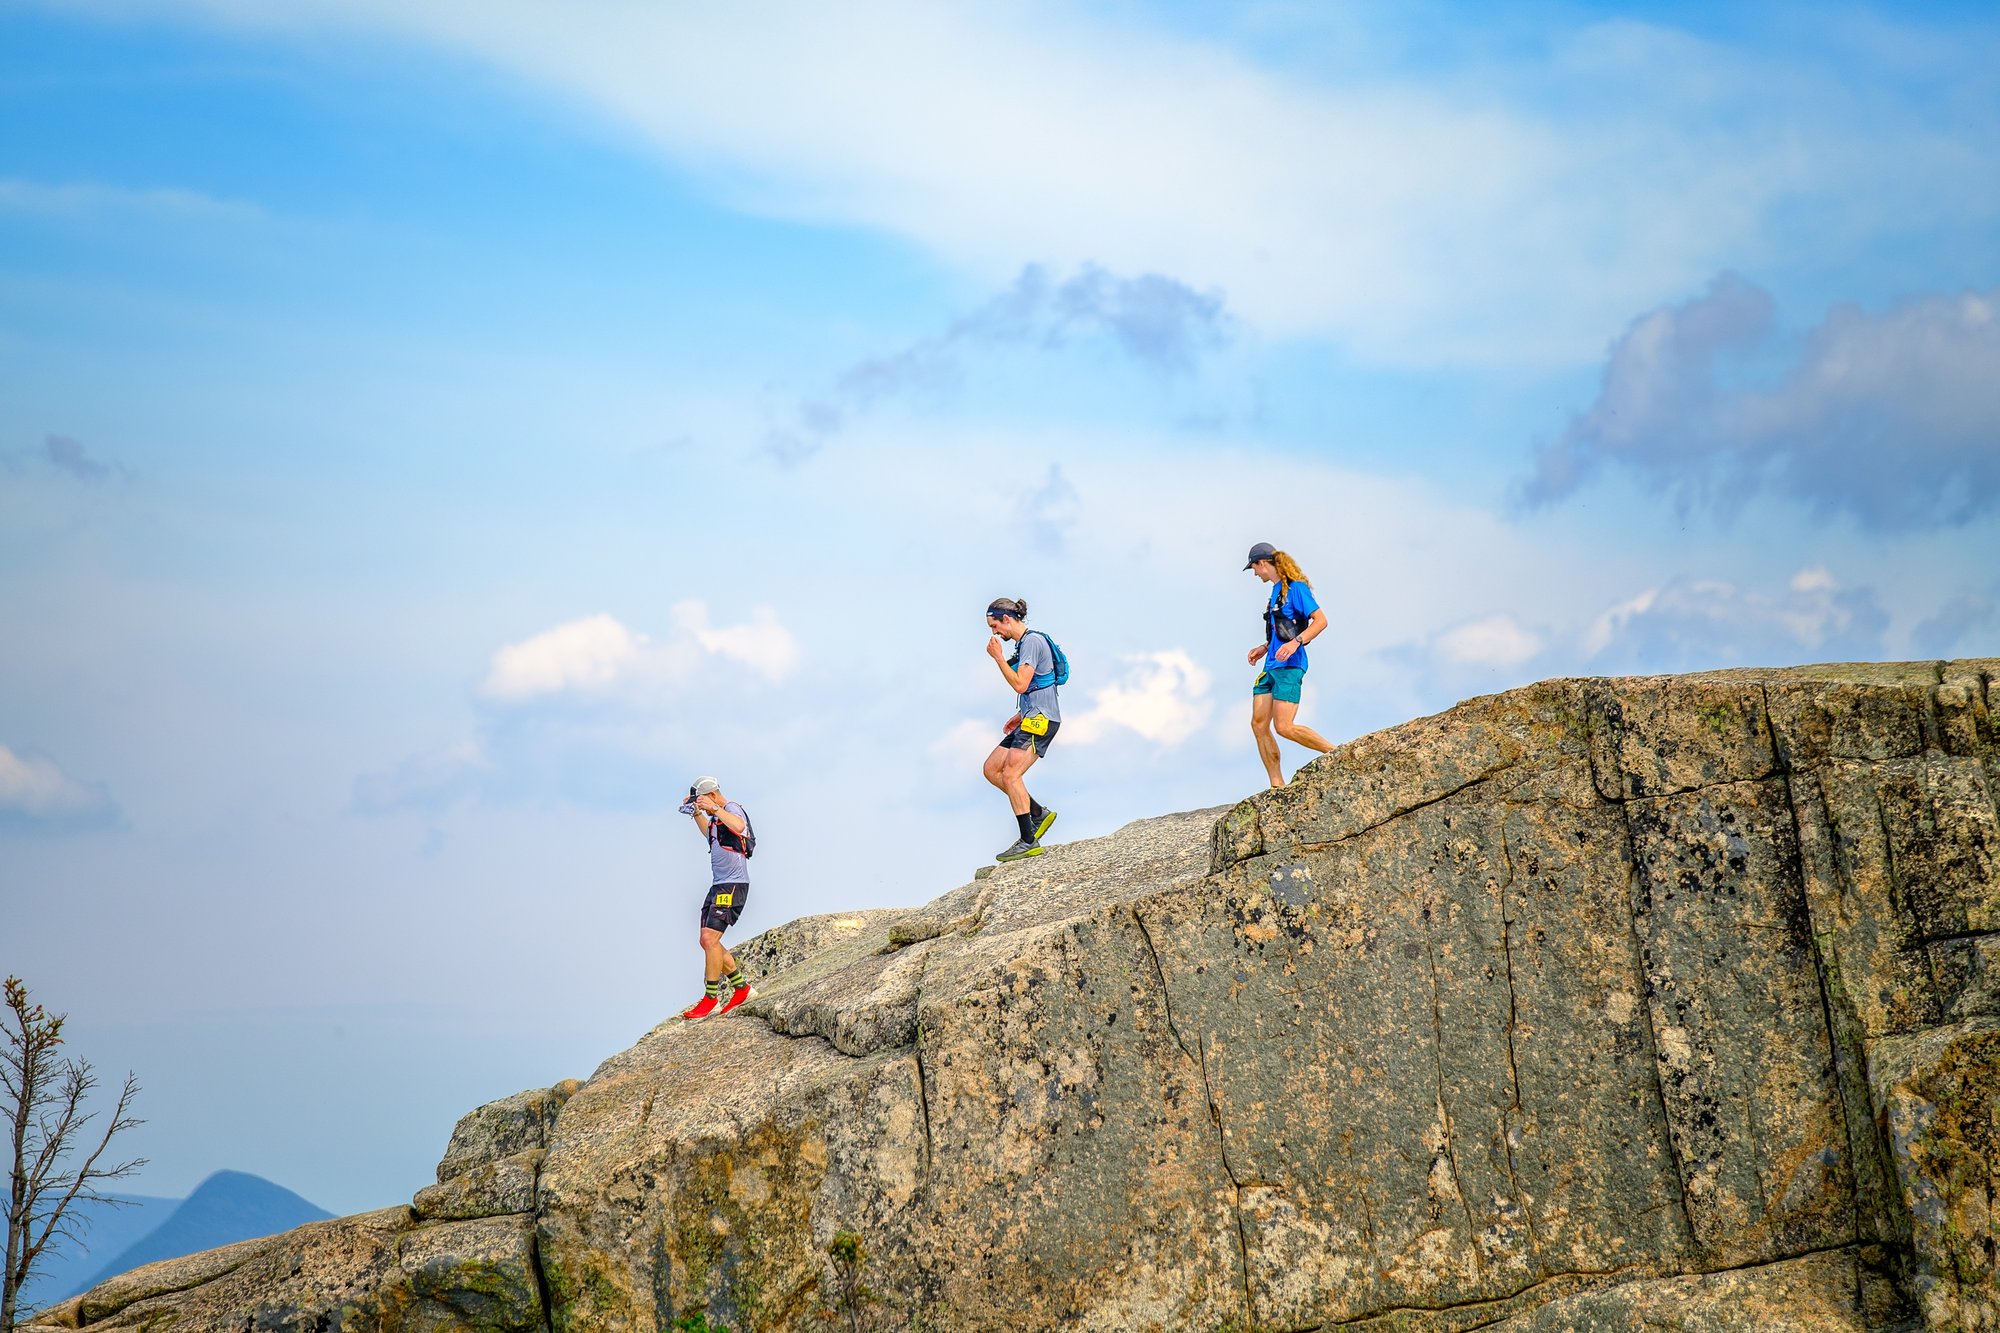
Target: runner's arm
{"points": [[729, 819], [1017, 679], [1286, 651]]}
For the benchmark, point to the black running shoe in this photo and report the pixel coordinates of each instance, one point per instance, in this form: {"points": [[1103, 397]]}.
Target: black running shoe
{"points": [[1042, 829], [1022, 847]]}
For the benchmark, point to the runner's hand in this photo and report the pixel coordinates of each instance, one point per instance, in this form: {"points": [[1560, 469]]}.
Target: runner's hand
{"points": [[1256, 653], [1012, 723], [1286, 649], [993, 648]]}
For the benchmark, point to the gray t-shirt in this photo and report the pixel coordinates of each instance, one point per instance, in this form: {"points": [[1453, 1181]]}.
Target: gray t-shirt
{"points": [[724, 865], [1036, 656]]}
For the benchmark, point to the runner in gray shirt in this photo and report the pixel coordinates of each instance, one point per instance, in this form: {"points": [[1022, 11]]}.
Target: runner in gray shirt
{"points": [[1037, 718], [725, 826]]}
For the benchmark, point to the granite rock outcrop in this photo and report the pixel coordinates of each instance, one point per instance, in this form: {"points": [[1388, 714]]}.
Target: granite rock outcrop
{"points": [[1644, 1003]]}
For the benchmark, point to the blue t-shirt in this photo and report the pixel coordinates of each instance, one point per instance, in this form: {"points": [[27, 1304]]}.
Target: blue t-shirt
{"points": [[1299, 605]]}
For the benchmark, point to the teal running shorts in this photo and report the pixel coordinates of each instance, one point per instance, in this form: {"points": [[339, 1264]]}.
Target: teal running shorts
{"points": [[1281, 683]]}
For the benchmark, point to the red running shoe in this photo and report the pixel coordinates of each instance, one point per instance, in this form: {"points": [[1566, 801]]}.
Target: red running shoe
{"points": [[701, 1008], [741, 994]]}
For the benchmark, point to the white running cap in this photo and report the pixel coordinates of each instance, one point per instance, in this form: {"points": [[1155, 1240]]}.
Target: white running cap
{"points": [[703, 786]]}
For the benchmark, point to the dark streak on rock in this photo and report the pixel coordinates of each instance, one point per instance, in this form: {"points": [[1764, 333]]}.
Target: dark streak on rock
{"points": [[1309, 848], [1513, 1063], [1444, 1110], [1634, 888], [1200, 1062]]}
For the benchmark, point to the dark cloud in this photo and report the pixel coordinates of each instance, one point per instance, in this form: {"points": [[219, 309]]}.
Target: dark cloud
{"points": [[1892, 419], [68, 455], [1157, 322], [1966, 626]]}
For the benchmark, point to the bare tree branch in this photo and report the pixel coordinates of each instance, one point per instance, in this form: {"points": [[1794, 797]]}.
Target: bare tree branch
{"points": [[44, 1110]]}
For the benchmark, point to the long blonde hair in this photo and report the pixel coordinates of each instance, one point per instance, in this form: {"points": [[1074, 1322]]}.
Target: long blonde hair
{"points": [[1288, 574]]}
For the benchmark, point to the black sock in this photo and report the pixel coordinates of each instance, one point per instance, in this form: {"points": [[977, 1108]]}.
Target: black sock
{"points": [[1027, 823]]}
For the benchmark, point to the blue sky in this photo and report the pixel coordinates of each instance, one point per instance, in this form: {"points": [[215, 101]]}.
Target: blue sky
{"points": [[433, 433]]}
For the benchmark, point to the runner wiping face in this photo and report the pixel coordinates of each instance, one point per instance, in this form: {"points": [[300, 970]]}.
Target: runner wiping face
{"points": [[1007, 627]]}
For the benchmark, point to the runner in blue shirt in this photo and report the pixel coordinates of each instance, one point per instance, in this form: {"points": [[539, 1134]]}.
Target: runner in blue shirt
{"points": [[1292, 619]]}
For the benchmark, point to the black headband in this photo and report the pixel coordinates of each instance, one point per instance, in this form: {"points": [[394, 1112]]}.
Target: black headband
{"points": [[997, 611]]}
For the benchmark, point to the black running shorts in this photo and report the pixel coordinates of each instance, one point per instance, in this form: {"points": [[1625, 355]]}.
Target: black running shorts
{"points": [[723, 905], [1018, 739]]}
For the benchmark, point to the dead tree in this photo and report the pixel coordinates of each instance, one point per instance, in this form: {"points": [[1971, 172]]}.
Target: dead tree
{"points": [[43, 1103]]}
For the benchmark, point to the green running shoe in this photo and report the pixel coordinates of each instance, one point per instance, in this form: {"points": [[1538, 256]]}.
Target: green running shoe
{"points": [[1022, 847], [1042, 829]]}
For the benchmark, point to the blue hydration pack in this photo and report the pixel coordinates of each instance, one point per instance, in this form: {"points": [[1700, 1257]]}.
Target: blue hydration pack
{"points": [[1059, 676]]}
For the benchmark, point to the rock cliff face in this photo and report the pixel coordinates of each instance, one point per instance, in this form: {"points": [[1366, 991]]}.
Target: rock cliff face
{"points": [[1663, 1003]]}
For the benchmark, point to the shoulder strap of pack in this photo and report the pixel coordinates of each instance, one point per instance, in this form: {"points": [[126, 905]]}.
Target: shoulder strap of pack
{"points": [[1047, 678]]}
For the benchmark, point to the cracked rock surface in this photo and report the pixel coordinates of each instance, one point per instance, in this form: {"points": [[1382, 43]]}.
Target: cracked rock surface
{"points": [[1649, 1003]]}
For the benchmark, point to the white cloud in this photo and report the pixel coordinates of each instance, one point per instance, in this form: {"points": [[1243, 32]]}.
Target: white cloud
{"points": [[586, 655], [966, 745], [1506, 211], [1496, 641], [762, 644], [595, 711], [1163, 696], [1613, 620], [33, 788], [599, 656]]}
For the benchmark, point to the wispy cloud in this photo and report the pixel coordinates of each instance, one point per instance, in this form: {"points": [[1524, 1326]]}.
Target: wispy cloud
{"points": [[1507, 208], [435, 780], [66, 455], [35, 793], [1158, 322], [1891, 419], [84, 199], [1491, 641], [1697, 624], [1967, 624], [1046, 512]]}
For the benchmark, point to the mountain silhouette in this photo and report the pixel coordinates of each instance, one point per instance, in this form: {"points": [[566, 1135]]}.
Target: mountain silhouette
{"points": [[227, 1207], [108, 1228]]}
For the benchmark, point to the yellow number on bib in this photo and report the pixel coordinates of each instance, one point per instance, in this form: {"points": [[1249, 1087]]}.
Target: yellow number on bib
{"points": [[724, 899]]}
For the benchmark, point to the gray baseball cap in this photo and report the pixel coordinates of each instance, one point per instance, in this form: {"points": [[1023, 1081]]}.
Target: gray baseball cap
{"points": [[1261, 551], [703, 786]]}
